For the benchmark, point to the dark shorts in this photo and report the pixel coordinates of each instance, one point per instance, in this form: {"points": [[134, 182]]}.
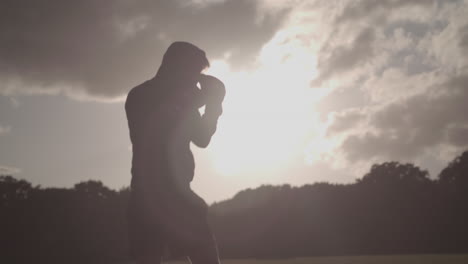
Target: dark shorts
{"points": [[175, 225]]}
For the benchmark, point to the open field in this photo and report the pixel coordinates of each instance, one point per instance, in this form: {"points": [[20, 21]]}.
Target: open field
{"points": [[392, 259]]}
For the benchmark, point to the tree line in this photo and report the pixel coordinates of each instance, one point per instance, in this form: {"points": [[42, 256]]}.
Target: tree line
{"points": [[395, 208]]}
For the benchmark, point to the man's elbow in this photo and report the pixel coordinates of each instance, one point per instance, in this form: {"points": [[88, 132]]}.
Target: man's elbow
{"points": [[201, 142]]}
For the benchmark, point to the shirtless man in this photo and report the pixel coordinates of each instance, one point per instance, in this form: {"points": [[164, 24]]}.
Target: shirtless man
{"points": [[163, 120]]}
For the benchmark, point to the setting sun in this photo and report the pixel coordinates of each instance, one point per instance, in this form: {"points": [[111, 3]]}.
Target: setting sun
{"points": [[268, 116]]}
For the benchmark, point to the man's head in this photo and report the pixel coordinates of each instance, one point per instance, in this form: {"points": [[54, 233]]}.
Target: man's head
{"points": [[183, 60]]}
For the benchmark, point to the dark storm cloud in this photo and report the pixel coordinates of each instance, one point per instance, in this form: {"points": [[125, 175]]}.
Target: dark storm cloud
{"points": [[105, 47], [409, 127]]}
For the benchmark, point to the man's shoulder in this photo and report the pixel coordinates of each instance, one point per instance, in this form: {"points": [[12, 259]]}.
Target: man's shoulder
{"points": [[139, 89], [140, 92]]}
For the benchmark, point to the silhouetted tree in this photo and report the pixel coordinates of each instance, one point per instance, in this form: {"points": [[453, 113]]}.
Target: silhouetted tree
{"points": [[453, 200], [394, 209], [13, 190], [456, 172], [395, 173]]}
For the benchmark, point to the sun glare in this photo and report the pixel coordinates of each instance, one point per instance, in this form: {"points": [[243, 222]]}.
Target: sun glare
{"points": [[268, 113]]}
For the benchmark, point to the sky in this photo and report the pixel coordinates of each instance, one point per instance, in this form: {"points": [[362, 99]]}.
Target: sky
{"points": [[317, 91]]}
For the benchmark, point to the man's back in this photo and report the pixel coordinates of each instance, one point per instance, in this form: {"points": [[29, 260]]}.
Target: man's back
{"points": [[141, 108], [159, 120]]}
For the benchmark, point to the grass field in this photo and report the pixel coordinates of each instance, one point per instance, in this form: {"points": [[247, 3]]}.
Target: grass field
{"points": [[392, 259]]}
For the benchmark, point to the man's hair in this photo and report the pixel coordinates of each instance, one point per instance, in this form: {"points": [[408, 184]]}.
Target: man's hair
{"points": [[184, 56]]}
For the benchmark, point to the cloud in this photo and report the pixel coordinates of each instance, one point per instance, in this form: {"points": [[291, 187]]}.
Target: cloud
{"points": [[101, 49], [356, 41], [408, 62], [6, 170], [346, 120], [346, 57], [457, 135], [427, 123], [447, 47], [357, 10]]}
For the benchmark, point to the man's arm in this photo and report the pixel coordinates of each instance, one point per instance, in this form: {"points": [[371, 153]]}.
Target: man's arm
{"points": [[204, 128], [213, 91]]}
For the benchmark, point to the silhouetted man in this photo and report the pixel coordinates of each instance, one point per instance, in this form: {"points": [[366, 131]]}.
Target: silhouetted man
{"points": [[163, 119]]}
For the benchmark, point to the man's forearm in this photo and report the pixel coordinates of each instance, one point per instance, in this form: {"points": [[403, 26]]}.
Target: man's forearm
{"points": [[214, 92], [205, 128]]}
